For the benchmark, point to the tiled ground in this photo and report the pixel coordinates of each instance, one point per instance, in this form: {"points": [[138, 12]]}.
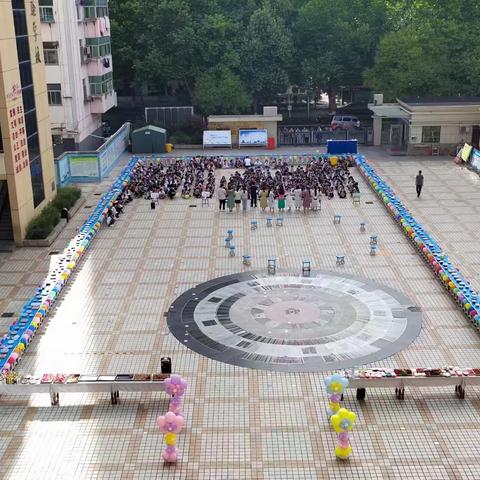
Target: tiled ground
{"points": [[242, 424]]}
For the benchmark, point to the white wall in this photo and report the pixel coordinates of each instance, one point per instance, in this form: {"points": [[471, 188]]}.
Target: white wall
{"points": [[453, 134]]}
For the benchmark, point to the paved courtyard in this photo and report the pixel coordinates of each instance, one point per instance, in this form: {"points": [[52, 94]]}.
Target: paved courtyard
{"points": [[243, 423]]}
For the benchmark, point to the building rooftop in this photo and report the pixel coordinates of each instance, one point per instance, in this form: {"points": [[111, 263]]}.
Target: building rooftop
{"points": [[388, 110], [440, 101], [150, 127]]}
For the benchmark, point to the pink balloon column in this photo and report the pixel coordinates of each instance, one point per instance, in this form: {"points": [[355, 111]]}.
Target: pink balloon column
{"points": [[172, 422]]}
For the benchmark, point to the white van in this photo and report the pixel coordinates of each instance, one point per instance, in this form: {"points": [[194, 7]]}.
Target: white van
{"points": [[344, 122]]}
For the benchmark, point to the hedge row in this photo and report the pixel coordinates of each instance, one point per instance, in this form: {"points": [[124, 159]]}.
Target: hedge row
{"points": [[41, 226]]}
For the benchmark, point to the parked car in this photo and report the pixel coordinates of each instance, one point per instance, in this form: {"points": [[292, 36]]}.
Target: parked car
{"points": [[344, 122]]}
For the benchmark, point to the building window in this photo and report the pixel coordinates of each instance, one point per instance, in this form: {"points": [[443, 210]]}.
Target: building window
{"points": [[54, 91], [101, 84], [46, 11], [95, 8], [98, 47], [431, 134], [102, 12], [50, 53]]}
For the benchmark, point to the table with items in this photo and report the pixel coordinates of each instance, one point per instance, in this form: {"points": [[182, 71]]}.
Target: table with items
{"points": [[13, 384], [399, 378]]}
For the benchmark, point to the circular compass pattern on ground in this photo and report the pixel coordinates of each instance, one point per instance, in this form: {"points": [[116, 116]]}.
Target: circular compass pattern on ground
{"points": [[291, 323]]}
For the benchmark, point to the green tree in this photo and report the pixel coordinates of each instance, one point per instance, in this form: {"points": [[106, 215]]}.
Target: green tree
{"points": [[219, 91], [336, 41], [266, 55], [407, 73], [125, 18], [431, 60]]}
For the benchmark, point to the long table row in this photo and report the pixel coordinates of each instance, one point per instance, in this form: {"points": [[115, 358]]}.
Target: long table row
{"points": [[54, 389]]}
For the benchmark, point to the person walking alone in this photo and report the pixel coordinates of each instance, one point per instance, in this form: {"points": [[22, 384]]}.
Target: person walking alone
{"points": [[419, 183]]}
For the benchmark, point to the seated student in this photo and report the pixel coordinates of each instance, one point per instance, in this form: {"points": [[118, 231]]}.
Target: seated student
{"points": [[118, 206], [110, 218]]}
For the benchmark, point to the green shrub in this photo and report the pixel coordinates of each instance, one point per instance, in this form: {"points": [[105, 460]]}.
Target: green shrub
{"points": [[66, 198], [41, 226]]}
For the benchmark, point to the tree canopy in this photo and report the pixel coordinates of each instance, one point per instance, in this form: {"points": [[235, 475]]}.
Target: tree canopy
{"points": [[228, 56]]}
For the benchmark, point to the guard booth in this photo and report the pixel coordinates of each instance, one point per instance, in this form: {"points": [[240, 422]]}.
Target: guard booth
{"points": [[149, 139]]}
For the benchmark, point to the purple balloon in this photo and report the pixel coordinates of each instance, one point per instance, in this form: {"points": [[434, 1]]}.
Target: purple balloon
{"points": [[335, 397], [343, 437]]}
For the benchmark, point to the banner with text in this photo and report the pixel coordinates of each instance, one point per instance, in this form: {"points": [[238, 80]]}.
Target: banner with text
{"points": [[254, 138], [217, 137]]}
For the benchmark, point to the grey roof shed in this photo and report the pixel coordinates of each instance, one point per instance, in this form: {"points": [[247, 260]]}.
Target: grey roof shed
{"points": [[149, 139]]}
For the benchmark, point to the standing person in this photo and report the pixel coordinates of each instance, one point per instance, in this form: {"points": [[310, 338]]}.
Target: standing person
{"points": [[253, 196], [238, 199], [244, 200], [222, 198], [419, 183], [297, 195], [307, 200], [271, 201], [289, 201], [248, 162], [263, 199], [315, 201], [281, 199], [230, 199]]}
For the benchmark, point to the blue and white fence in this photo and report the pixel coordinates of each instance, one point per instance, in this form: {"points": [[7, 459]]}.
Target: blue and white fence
{"points": [[84, 167]]}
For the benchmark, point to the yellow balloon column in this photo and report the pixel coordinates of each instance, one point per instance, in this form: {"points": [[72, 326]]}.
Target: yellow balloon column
{"points": [[342, 422], [341, 419]]}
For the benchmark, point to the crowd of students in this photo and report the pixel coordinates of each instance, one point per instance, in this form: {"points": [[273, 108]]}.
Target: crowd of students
{"points": [[287, 187], [270, 183], [153, 180]]}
